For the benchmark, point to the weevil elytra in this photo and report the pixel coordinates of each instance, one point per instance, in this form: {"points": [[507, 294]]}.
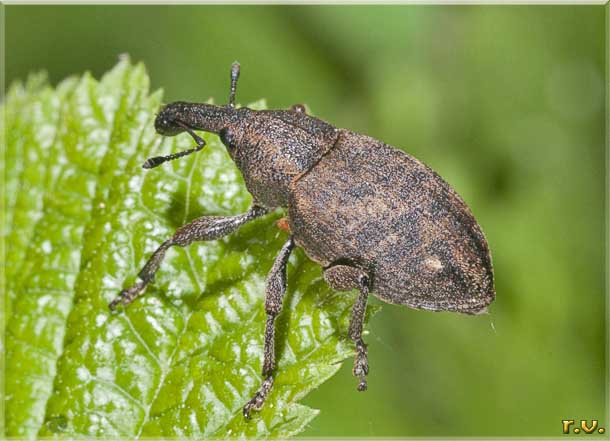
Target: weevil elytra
{"points": [[375, 218]]}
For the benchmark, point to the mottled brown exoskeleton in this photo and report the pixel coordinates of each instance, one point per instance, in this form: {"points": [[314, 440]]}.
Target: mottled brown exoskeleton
{"points": [[375, 218]]}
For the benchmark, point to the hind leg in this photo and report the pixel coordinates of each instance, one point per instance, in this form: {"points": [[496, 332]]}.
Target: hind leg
{"points": [[345, 278]]}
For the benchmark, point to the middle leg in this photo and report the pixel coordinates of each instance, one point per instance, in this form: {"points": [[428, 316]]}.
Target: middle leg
{"points": [[274, 294]]}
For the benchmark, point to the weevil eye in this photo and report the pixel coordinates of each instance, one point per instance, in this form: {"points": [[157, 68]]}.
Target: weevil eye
{"points": [[227, 137], [165, 123]]}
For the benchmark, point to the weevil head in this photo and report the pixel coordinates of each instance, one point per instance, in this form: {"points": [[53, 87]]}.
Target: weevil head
{"points": [[166, 120]]}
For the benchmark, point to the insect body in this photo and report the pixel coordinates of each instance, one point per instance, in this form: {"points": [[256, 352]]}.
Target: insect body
{"points": [[375, 218]]}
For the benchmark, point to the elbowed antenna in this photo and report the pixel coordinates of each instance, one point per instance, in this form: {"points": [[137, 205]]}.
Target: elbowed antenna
{"points": [[181, 117], [234, 77], [158, 160]]}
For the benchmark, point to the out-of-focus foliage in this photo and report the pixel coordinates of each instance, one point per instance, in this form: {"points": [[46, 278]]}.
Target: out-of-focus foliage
{"points": [[505, 102], [184, 359]]}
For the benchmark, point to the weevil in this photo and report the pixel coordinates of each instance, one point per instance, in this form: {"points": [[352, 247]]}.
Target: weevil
{"points": [[375, 218]]}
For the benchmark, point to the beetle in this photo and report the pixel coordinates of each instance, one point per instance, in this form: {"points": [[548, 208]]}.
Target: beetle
{"points": [[375, 218]]}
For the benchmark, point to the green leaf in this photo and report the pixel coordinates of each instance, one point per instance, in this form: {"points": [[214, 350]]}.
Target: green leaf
{"points": [[31, 119], [55, 190], [183, 359]]}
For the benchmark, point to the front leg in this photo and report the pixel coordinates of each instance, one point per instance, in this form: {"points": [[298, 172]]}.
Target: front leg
{"points": [[274, 294], [201, 229]]}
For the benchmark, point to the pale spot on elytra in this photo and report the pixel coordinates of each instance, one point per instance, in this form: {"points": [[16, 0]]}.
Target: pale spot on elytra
{"points": [[433, 263]]}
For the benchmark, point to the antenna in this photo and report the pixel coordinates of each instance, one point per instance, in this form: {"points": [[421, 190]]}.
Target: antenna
{"points": [[158, 160], [234, 77]]}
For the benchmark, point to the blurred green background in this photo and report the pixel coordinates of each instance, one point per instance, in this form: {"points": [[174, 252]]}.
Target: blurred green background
{"points": [[506, 102]]}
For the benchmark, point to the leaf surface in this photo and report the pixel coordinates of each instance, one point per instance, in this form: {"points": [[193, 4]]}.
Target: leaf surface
{"points": [[60, 179]]}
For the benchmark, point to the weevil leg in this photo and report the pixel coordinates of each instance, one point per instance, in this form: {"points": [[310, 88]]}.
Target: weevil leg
{"points": [[274, 294], [344, 278], [201, 229], [361, 361]]}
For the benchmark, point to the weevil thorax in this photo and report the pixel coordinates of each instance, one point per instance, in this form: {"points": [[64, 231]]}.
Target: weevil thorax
{"points": [[274, 147]]}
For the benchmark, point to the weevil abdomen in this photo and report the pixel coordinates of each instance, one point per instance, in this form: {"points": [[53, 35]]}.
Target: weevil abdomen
{"points": [[381, 209]]}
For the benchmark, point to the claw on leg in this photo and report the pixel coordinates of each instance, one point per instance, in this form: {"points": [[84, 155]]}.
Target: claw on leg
{"points": [[256, 403], [361, 365], [128, 295]]}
